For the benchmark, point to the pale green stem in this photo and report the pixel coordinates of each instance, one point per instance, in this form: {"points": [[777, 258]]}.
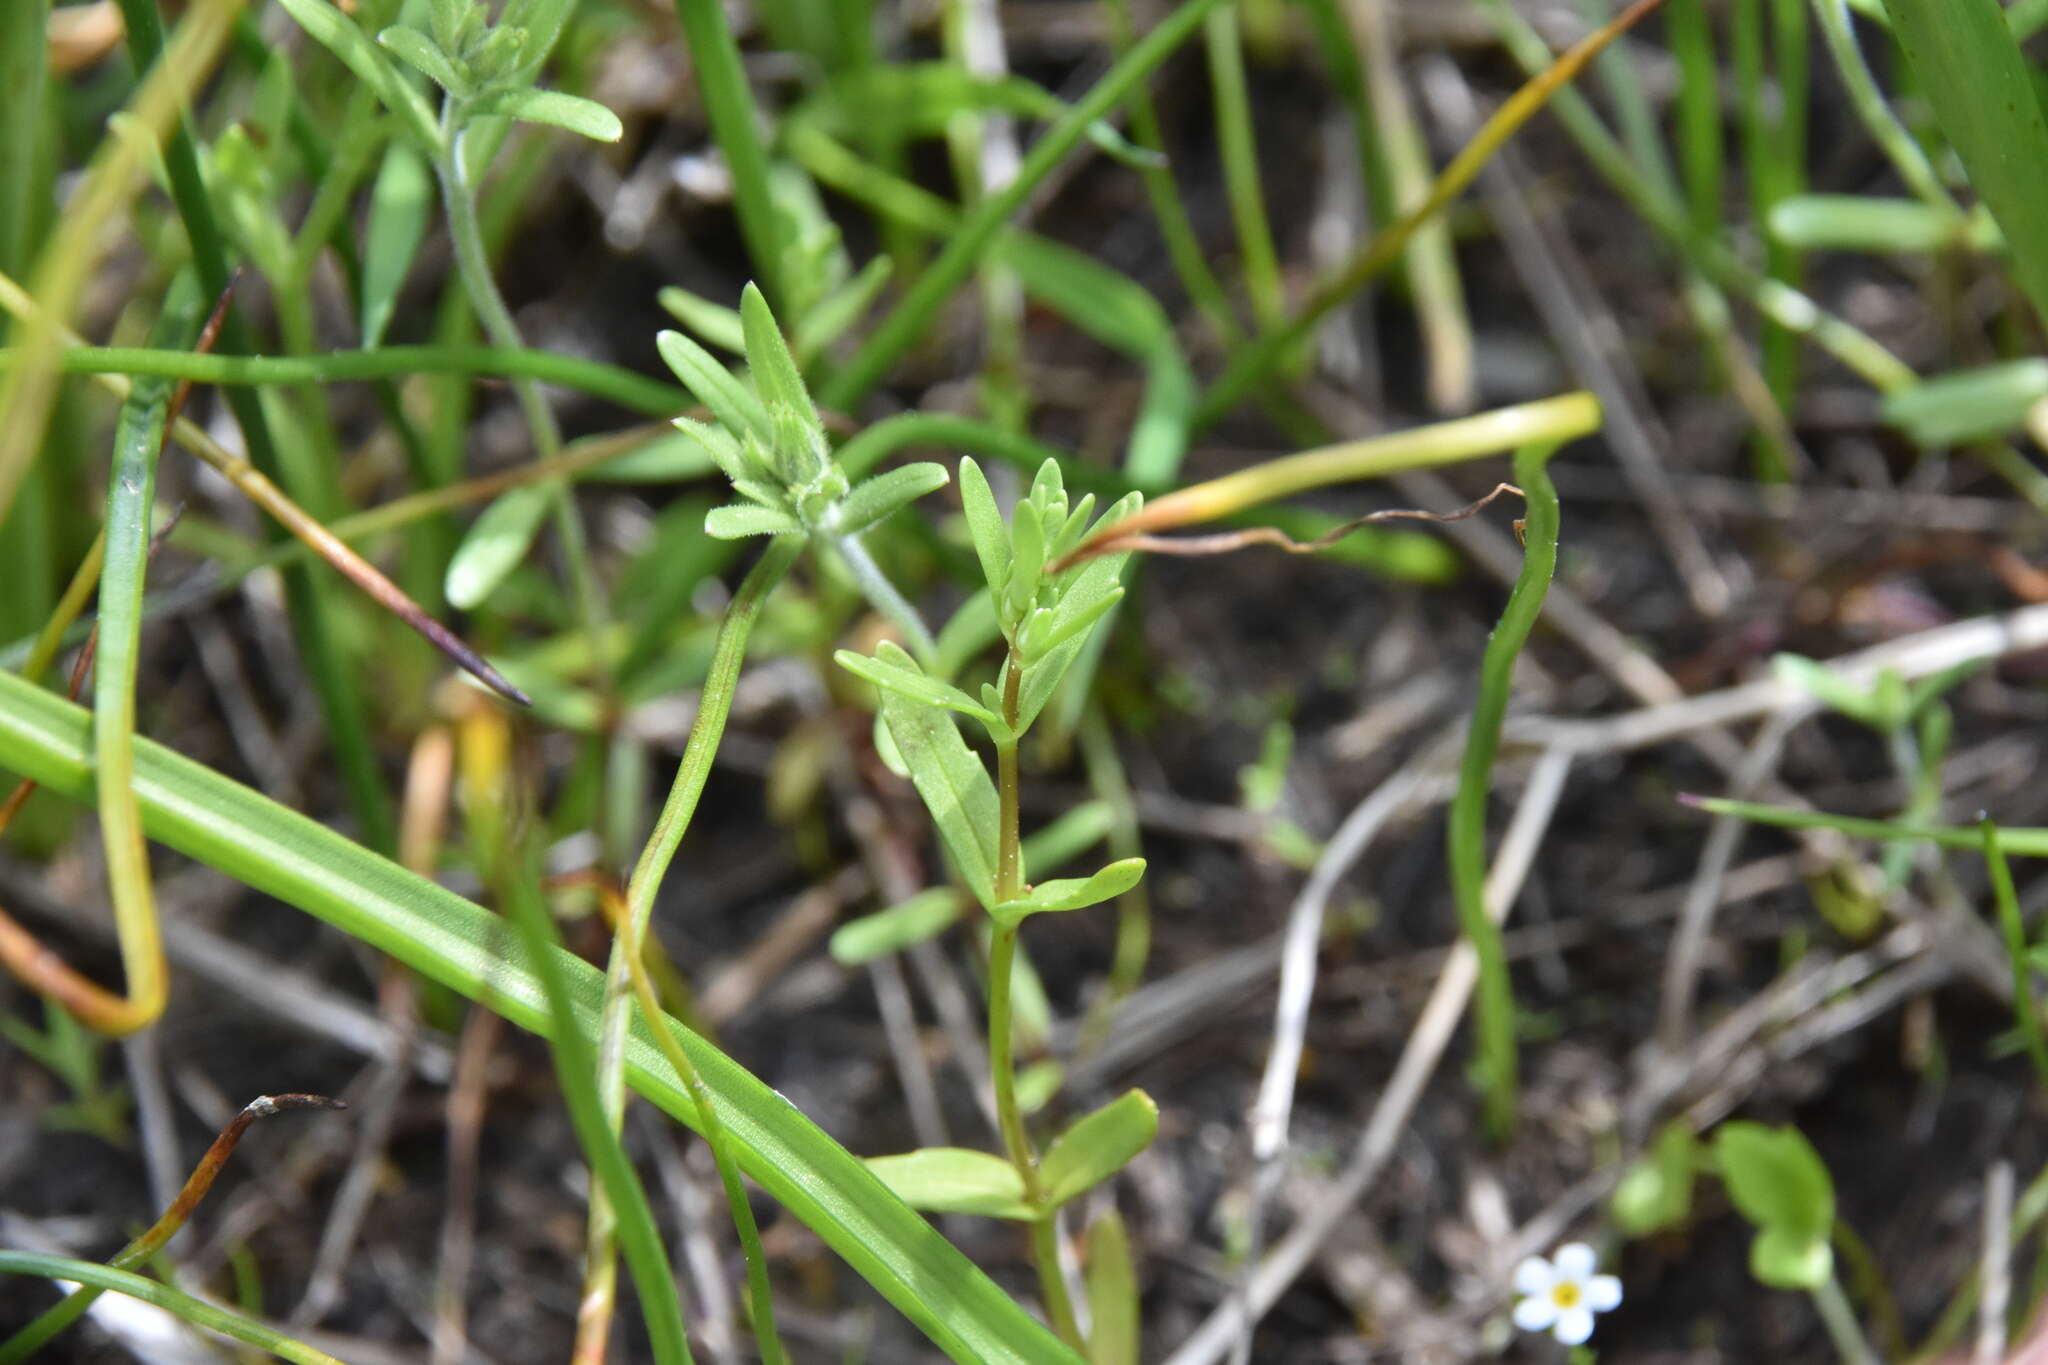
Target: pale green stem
{"points": [[1840, 1320], [1877, 117]]}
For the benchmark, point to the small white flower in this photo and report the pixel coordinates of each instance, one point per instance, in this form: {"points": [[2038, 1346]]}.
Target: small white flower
{"points": [[1562, 1295]]}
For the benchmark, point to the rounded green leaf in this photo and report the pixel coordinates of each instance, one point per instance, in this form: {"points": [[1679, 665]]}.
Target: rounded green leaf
{"points": [[1097, 1146], [1775, 1178], [496, 543], [954, 1180], [1786, 1258]]}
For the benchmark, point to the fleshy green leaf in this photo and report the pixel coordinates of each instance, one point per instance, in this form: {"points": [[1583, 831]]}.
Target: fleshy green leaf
{"points": [[419, 52], [715, 387], [955, 786], [1073, 893], [954, 1180], [985, 526], [555, 107], [401, 202], [774, 368], [873, 499], [893, 669], [739, 519], [924, 916], [496, 543], [1775, 1178], [1097, 1146], [1112, 1293]]}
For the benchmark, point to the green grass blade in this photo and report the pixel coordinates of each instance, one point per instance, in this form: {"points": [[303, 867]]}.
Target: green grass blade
{"points": [[637, 392], [1467, 834], [576, 1069], [2015, 931], [1982, 92], [2028, 842], [736, 127], [281, 853], [965, 248], [195, 1311]]}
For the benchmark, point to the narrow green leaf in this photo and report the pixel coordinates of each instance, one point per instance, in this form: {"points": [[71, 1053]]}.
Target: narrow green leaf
{"points": [[1973, 73], [1112, 1293], [496, 543], [419, 52], [716, 388], [1976, 404], [1858, 702], [832, 315], [954, 1180], [924, 916], [774, 368], [871, 500], [714, 322], [554, 107], [670, 458], [401, 202], [338, 34], [281, 853], [893, 669], [198, 1312], [1775, 1178], [1097, 1146], [1074, 893], [954, 784], [985, 526], [740, 519]]}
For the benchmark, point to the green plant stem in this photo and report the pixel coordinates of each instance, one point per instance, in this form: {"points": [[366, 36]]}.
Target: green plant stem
{"points": [[341, 699], [2027, 842], [1878, 120], [2024, 1008], [883, 596], [576, 1069], [473, 262], [1840, 1320], [895, 334], [760, 1293], [1002, 1062], [648, 397], [1467, 832]]}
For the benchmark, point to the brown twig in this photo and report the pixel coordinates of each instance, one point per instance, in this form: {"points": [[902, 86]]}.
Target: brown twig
{"points": [[23, 1343], [1228, 541]]}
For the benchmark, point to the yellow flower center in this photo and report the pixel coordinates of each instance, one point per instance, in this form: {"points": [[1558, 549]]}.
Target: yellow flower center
{"points": [[1565, 1294]]}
